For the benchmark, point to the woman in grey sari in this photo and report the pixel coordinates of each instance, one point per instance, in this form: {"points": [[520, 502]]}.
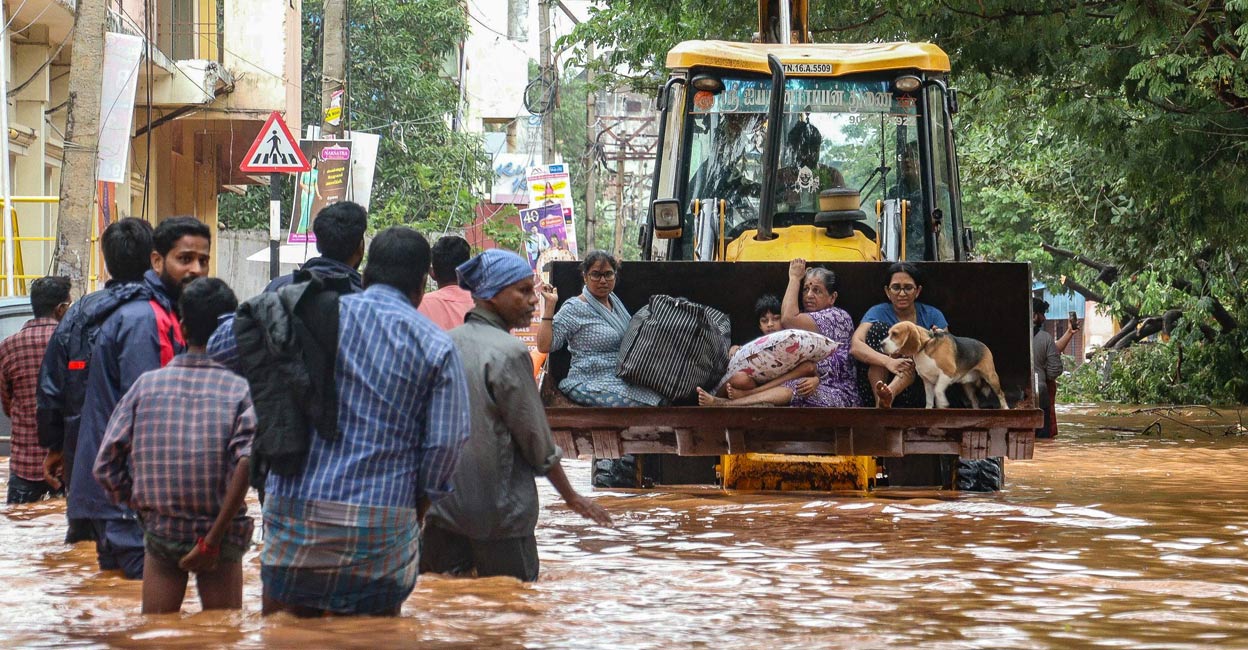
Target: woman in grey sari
{"points": [[591, 325]]}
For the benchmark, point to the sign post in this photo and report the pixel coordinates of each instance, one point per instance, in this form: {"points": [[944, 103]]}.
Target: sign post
{"points": [[276, 152], [275, 225]]}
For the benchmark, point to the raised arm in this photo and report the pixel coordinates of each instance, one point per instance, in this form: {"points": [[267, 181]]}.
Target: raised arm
{"points": [[546, 329], [791, 316]]}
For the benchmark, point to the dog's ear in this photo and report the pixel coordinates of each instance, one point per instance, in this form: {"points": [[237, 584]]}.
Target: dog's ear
{"points": [[915, 339], [905, 339], [922, 335]]}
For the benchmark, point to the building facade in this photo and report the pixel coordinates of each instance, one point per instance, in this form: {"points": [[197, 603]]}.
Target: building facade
{"points": [[209, 75]]}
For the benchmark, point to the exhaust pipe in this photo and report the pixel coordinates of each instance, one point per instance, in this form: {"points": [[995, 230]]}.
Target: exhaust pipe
{"points": [[771, 151]]}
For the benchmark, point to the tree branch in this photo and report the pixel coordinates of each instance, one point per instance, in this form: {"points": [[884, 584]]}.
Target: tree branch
{"points": [[1073, 285], [1108, 272]]}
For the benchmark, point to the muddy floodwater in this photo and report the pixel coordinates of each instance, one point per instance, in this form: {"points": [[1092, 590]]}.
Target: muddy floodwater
{"points": [[1117, 534]]}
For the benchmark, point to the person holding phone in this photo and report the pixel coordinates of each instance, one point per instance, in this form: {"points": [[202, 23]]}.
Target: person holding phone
{"points": [[1046, 362]]}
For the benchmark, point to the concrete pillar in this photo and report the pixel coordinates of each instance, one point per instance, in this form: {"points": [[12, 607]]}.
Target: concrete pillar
{"points": [[29, 171]]}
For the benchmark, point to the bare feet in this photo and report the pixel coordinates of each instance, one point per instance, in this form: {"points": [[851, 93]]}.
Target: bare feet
{"points": [[707, 399], [736, 393], [883, 395]]}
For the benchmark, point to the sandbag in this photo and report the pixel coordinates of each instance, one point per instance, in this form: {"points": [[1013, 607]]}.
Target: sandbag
{"points": [[673, 346]]}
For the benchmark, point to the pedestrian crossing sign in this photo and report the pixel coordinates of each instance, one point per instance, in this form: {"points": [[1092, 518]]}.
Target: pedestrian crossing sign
{"points": [[274, 151]]}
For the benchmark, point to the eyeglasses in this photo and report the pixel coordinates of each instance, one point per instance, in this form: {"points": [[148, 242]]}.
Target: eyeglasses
{"points": [[902, 288], [599, 276]]}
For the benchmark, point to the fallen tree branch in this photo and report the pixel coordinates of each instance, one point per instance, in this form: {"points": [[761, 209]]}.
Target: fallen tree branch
{"points": [[1080, 289], [1167, 413], [1108, 273]]}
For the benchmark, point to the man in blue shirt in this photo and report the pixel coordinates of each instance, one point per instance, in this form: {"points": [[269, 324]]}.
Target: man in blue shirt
{"points": [[341, 534]]}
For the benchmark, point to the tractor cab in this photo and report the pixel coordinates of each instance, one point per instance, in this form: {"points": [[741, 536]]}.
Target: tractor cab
{"points": [[853, 162]]}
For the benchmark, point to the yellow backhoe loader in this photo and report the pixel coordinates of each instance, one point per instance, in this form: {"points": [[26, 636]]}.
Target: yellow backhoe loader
{"points": [[852, 166]]}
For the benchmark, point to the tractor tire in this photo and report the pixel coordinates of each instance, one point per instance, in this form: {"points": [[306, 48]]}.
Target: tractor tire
{"points": [[987, 475], [615, 472]]}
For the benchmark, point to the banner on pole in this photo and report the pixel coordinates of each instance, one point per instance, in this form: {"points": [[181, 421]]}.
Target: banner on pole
{"points": [[122, 54]]}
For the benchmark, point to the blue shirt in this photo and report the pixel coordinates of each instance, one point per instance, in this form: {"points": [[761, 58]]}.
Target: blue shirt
{"points": [[402, 408], [926, 316]]}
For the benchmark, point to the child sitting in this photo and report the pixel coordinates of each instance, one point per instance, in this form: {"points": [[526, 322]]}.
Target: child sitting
{"points": [[176, 450], [743, 382]]}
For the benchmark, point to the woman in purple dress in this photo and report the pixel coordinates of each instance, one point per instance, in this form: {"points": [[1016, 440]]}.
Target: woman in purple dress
{"points": [[814, 291]]}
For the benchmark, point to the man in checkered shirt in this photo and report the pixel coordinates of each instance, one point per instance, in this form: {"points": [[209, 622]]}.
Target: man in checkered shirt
{"points": [[20, 357]]}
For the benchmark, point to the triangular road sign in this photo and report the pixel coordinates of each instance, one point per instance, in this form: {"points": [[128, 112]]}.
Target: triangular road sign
{"points": [[274, 150]]}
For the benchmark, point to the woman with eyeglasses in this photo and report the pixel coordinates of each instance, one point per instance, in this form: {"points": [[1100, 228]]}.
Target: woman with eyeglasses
{"points": [[891, 380], [591, 325]]}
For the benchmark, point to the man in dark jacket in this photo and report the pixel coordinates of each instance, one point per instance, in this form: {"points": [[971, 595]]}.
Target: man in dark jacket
{"points": [[139, 336], [127, 248], [339, 229]]}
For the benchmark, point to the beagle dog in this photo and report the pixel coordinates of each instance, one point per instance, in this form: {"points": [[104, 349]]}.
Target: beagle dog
{"points": [[941, 359]]}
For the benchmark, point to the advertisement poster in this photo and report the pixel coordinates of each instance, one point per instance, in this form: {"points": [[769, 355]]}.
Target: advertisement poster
{"points": [[551, 184], [327, 182], [548, 239]]}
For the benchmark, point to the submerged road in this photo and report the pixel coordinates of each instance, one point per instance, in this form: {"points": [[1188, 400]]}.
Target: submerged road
{"points": [[1108, 538]]}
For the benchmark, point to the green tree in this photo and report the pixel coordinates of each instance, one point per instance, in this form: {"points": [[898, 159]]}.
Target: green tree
{"points": [[401, 85]]}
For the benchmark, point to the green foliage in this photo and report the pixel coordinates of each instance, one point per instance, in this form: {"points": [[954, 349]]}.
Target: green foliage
{"points": [[503, 232], [1172, 372], [401, 85]]}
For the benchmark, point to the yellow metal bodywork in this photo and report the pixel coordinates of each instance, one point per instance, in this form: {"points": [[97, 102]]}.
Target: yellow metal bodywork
{"points": [[807, 242], [791, 472], [809, 59]]}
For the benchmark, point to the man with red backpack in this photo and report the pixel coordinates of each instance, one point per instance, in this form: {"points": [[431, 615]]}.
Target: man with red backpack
{"points": [[138, 336]]}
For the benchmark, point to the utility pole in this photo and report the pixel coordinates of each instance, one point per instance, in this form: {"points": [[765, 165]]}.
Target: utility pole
{"points": [[82, 133], [591, 171], [549, 78], [333, 68], [619, 206]]}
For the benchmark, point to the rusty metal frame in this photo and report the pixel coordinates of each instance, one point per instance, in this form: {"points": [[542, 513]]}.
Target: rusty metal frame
{"points": [[713, 431]]}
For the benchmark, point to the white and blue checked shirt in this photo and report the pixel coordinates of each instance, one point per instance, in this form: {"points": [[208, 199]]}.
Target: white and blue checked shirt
{"points": [[402, 408]]}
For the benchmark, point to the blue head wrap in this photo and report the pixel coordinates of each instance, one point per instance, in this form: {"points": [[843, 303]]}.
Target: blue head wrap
{"points": [[492, 271]]}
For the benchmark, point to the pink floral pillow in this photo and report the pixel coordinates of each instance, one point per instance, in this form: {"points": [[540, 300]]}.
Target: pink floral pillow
{"points": [[772, 355]]}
